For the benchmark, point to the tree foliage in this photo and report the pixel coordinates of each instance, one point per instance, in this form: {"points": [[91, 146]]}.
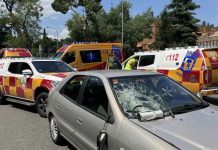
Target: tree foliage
{"points": [[183, 21], [110, 26], [20, 18]]}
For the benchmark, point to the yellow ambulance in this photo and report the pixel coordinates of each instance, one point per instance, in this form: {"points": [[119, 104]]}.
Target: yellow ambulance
{"points": [[194, 67], [91, 56]]}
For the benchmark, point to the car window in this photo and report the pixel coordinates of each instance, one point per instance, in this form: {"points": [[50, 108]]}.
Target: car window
{"points": [[72, 88], [146, 60], [51, 66], [69, 57], [24, 66], [14, 67], [90, 56], [95, 97]]}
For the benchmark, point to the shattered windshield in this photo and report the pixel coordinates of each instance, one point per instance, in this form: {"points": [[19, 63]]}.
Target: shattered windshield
{"points": [[152, 93]]}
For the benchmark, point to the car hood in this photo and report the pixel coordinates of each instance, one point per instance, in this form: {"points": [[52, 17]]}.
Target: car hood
{"points": [[60, 75], [196, 130], [53, 76]]}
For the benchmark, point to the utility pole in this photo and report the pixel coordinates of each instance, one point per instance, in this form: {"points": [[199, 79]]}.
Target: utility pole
{"points": [[56, 35]]}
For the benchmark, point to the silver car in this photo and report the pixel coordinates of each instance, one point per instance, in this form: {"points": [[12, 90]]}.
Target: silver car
{"points": [[130, 110]]}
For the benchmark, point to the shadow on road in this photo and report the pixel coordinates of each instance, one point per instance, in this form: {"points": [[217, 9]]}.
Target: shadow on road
{"points": [[23, 107]]}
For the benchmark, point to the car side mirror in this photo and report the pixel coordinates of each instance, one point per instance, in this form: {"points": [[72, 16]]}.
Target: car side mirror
{"points": [[27, 72]]}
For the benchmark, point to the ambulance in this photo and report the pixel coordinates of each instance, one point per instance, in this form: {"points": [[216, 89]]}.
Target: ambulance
{"points": [[196, 68], [91, 56], [28, 81], [14, 52]]}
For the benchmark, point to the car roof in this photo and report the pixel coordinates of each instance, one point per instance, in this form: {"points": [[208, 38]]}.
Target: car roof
{"points": [[17, 59], [117, 73]]}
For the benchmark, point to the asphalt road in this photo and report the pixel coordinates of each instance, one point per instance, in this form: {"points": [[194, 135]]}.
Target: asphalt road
{"points": [[21, 128]]}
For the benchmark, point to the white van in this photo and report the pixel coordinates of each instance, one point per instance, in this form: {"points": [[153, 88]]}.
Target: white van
{"points": [[195, 68]]}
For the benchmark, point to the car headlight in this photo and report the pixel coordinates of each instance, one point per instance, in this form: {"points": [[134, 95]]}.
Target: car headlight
{"points": [[54, 83]]}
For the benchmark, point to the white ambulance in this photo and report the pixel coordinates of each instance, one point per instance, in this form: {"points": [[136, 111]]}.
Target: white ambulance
{"points": [[194, 67]]}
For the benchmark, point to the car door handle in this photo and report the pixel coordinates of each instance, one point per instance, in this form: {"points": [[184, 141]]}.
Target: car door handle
{"points": [[79, 121]]}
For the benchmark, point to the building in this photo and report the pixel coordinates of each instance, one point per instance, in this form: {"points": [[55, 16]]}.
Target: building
{"points": [[207, 36]]}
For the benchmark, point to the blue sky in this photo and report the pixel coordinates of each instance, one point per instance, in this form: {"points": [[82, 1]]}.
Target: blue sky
{"points": [[208, 12]]}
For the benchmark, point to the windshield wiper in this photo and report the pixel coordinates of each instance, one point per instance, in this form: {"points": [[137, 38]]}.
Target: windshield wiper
{"points": [[189, 107]]}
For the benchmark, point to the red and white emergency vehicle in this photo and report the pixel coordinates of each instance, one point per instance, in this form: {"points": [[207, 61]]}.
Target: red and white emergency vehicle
{"points": [[14, 52], [28, 80]]}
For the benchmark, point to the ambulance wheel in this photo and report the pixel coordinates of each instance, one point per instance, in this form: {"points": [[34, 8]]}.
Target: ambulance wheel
{"points": [[54, 131], [41, 104]]}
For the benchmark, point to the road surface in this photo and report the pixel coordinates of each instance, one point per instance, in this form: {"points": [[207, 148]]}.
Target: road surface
{"points": [[21, 128]]}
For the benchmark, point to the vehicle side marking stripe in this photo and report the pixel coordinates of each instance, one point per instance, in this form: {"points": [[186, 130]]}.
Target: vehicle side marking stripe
{"points": [[12, 81], [29, 83], [20, 92], [6, 89]]}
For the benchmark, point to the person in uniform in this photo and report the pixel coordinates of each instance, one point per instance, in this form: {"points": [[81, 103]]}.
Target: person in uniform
{"points": [[131, 64]]}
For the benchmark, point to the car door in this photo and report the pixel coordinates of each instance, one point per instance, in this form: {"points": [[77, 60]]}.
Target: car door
{"points": [[24, 83], [91, 114], [66, 106], [10, 79]]}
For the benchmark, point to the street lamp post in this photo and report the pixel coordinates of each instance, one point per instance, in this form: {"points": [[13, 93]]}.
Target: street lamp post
{"points": [[56, 35]]}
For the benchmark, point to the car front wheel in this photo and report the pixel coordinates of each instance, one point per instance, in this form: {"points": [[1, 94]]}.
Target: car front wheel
{"points": [[41, 104], [54, 131]]}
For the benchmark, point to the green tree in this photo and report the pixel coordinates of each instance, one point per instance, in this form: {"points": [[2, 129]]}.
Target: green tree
{"points": [[21, 19], [140, 28], [2, 37], [89, 19], [166, 31], [184, 24]]}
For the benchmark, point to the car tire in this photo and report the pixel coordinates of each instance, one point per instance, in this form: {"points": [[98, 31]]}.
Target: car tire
{"points": [[2, 100], [54, 131], [41, 104]]}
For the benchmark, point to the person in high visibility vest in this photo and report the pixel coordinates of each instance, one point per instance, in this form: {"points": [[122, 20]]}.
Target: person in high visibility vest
{"points": [[130, 65]]}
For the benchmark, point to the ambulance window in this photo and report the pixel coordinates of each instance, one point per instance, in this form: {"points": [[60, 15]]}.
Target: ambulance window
{"points": [[69, 57], [14, 68], [146, 60], [90, 56]]}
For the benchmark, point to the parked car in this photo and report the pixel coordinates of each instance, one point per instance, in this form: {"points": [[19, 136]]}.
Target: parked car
{"points": [[130, 110], [28, 80]]}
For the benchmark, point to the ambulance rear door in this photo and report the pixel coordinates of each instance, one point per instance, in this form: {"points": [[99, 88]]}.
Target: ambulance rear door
{"points": [[170, 63], [211, 72]]}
